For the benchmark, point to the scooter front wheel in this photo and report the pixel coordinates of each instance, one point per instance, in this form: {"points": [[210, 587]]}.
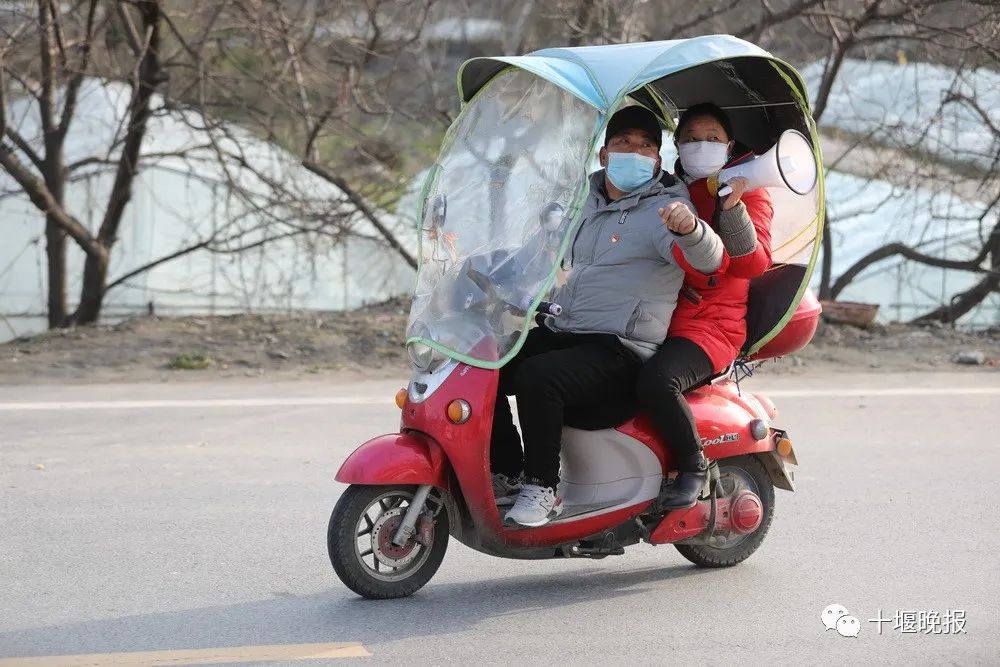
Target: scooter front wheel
{"points": [[359, 540]]}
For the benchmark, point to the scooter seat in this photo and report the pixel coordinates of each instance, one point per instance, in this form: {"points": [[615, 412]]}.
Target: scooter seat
{"points": [[609, 414]]}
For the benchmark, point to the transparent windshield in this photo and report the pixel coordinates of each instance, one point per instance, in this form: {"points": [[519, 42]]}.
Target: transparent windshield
{"points": [[498, 208]]}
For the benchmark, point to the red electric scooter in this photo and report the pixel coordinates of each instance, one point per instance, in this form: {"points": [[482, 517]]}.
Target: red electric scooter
{"points": [[410, 490], [512, 173]]}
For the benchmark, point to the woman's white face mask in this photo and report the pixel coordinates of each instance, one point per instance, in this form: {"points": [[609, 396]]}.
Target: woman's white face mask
{"points": [[702, 158]]}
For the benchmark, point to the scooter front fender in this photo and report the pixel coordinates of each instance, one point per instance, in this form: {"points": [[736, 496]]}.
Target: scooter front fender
{"points": [[396, 458]]}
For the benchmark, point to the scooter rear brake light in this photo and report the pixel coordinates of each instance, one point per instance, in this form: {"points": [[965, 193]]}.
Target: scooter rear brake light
{"points": [[459, 411]]}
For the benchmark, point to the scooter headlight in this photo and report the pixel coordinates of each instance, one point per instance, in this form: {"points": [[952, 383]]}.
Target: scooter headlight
{"points": [[424, 357]]}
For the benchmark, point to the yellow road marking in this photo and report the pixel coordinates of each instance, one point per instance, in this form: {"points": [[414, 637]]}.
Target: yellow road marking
{"points": [[200, 656]]}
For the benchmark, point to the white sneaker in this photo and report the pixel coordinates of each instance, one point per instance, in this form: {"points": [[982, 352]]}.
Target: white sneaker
{"points": [[505, 489], [535, 506]]}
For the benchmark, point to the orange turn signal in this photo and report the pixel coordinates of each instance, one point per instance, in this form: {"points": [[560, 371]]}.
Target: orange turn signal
{"points": [[401, 398], [459, 411], [785, 447]]}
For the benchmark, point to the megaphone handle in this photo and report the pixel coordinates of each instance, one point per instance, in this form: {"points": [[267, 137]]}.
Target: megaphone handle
{"points": [[725, 191]]}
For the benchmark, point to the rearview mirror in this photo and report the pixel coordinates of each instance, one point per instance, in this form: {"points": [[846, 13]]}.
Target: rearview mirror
{"points": [[551, 216], [438, 210]]}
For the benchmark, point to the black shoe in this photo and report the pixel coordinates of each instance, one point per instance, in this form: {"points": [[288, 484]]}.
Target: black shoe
{"points": [[684, 490]]}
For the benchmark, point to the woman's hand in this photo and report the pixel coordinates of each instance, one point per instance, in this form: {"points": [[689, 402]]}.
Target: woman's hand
{"points": [[738, 186], [678, 218]]}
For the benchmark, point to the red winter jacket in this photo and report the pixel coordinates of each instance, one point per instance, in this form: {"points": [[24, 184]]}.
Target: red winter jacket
{"points": [[711, 309]]}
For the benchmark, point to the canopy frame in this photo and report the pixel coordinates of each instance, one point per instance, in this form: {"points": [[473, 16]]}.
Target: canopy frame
{"points": [[578, 70]]}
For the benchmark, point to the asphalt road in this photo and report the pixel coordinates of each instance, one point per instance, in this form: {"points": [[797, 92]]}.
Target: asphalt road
{"points": [[200, 523]]}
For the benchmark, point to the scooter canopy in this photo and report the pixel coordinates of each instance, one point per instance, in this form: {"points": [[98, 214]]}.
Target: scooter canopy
{"points": [[520, 148]]}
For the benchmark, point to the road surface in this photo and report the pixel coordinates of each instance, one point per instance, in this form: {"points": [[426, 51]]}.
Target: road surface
{"points": [[189, 520]]}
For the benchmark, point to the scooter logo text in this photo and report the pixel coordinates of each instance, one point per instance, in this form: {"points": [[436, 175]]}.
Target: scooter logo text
{"points": [[728, 437]]}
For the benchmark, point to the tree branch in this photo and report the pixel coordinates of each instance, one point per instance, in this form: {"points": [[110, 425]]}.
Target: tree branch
{"points": [[44, 201], [46, 100], [57, 31], [771, 19], [3, 96], [360, 204], [73, 87], [131, 34], [708, 14], [24, 146], [156, 262], [150, 76], [202, 245], [963, 302], [973, 265]]}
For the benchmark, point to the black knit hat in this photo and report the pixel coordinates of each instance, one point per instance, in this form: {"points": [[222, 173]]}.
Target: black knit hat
{"points": [[634, 118], [705, 109]]}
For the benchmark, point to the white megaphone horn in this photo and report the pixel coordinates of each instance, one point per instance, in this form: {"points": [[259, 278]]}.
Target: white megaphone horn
{"points": [[790, 163]]}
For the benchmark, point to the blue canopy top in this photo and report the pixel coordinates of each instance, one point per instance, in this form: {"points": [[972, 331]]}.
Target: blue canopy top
{"points": [[603, 75]]}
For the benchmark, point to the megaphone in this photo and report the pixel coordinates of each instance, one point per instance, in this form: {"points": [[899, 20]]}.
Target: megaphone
{"points": [[790, 163]]}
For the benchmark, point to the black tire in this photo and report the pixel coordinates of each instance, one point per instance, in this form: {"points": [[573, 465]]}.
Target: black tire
{"points": [[704, 555], [343, 537]]}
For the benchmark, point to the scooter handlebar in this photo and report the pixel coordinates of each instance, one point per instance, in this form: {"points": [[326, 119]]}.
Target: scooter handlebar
{"points": [[544, 307], [550, 308]]}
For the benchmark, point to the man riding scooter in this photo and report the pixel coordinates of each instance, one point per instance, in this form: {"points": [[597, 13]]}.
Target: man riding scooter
{"points": [[616, 305]]}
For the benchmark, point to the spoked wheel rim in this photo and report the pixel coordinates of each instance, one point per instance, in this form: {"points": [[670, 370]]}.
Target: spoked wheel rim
{"points": [[373, 547], [731, 480]]}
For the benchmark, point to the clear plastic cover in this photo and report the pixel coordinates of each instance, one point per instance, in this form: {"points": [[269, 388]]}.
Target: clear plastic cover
{"points": [[509, 179]]}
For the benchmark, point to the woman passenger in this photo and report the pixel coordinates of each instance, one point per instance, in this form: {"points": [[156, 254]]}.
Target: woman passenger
{"points": [[708, 327]]}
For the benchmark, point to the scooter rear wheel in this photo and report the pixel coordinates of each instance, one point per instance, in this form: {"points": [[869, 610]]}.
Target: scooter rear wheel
{"points": [[738, 472], [359, 541]]}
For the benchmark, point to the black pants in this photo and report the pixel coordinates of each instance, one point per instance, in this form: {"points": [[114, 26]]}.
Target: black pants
{"points": [[677, 366], [552, 372]]}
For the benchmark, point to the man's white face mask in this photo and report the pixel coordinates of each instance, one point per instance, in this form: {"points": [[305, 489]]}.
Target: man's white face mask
{"points": [[703, 158]]}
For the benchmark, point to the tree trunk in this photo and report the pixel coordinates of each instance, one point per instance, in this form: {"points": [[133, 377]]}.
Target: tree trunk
{"points": [[55, 236], [95, 272], [55, 253]]}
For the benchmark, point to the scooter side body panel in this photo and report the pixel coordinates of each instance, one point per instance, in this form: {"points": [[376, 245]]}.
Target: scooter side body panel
{"points": [[466, 447], [603, 469], [599, 496], [396, 458], [723, 415]]}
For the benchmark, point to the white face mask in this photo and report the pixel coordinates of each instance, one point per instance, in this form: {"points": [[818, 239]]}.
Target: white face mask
{"points": [[702, 158]]}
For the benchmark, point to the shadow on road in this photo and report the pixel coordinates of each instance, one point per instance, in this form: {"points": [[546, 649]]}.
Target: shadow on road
{"points": [[337, 615]]}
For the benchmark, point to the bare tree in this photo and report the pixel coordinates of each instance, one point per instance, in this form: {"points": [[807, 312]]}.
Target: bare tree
{"points": [[352, 89], [360, 92], [960, 35], [64, 47], [188, 58]]}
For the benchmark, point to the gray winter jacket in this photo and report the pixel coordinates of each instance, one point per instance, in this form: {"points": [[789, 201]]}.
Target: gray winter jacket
{"points": [[623, 278]]}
